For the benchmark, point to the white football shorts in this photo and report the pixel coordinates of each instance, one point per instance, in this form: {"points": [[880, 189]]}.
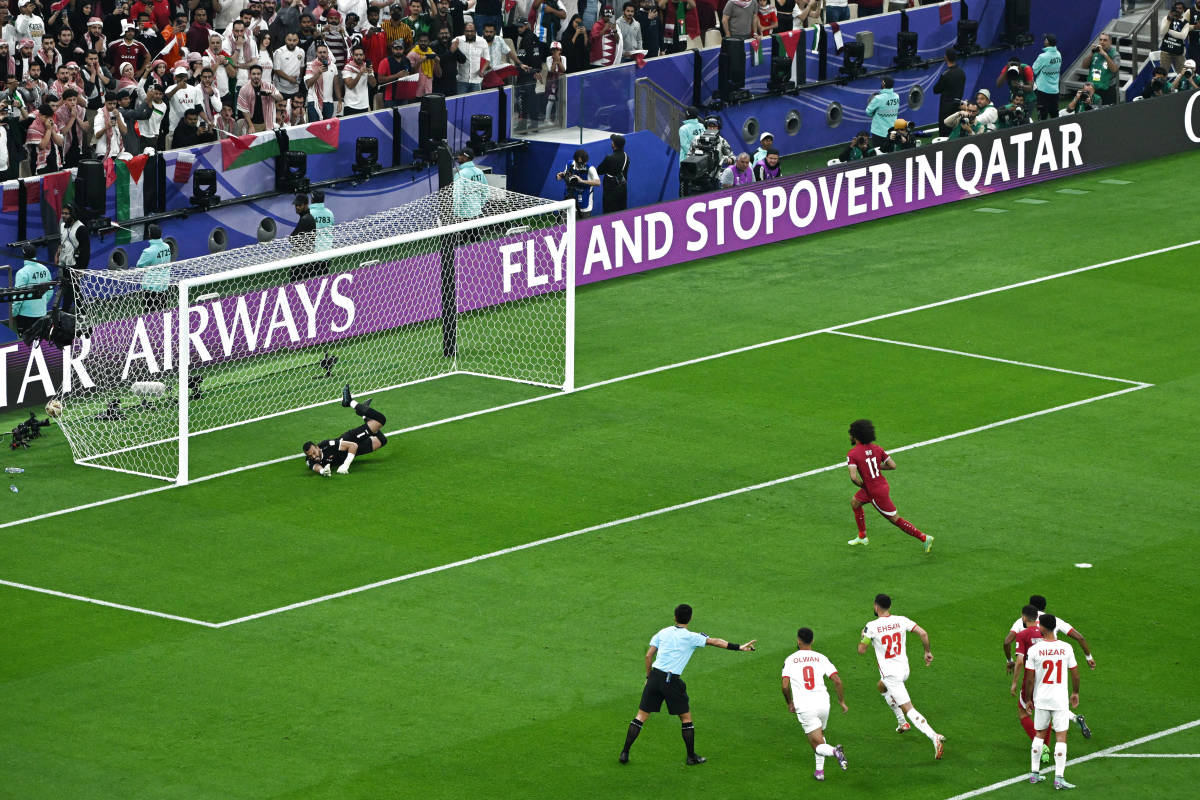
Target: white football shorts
{"points": [[1060, 719], [813, 717]]}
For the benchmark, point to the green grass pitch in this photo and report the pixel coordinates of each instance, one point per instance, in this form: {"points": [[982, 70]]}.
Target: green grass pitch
{"points": [[515, 676]]}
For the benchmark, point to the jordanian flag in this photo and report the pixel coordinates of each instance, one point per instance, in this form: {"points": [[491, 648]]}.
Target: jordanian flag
{"points": [[242, 151], [130, 199], [316, 137]]}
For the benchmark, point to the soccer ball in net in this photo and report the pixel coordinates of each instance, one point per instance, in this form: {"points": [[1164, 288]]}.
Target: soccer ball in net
{"points": [[54, 407]]}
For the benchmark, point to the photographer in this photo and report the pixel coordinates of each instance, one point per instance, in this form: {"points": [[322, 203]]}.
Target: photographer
{"points": [[74, 252], [580, 180], [1085, 99], [857, 149], [1158, 85], [901, 137], [1175, 29], [1018, 76], [723, 150], [109, 129], [985, 114], [739, 173], [1014, 114], [962, 122], [615, 169], [1105, 69], [31, 273], [1186, 80]]}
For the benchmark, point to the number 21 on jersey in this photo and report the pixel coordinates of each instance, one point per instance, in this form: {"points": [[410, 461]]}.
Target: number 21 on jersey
{"points": [[1054, 670]]}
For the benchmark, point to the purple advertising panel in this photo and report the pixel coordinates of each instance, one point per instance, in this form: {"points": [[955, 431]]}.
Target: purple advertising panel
{"points": [[373, 297]]}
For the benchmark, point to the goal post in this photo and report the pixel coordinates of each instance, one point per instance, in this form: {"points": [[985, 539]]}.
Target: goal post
{"points": [[405, 296]]}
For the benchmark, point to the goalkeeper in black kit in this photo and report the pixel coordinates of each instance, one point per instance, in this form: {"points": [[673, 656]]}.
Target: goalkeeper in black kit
{"points": [[337, 454]]}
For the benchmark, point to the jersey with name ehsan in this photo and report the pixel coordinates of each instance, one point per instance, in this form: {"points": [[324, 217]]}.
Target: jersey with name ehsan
{"points": [[1051, 662], [807, 670], [1062, 628], [888, 635], [331, 455], [675, 646], [1028, 638], [869, 459]]}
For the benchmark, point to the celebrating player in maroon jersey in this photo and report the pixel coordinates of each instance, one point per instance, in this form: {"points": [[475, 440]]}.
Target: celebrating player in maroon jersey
{"points": [[866, 460]]}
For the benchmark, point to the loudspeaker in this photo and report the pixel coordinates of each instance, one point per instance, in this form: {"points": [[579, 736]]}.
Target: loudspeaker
{"points": [[431, 124], [731, 67], [867, 40], [968, 34], [906, 49], [89, 190], [1016, 23]]}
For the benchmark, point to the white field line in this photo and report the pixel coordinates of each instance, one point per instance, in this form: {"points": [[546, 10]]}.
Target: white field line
{"points": [[1106, 752], [643, 373], [121, 606], [665, 510], [1153, 755], [569, 535], [1140, 384]]}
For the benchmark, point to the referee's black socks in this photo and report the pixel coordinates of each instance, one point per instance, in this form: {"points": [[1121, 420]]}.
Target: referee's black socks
{"points": [[635, 728], [689, 738]]}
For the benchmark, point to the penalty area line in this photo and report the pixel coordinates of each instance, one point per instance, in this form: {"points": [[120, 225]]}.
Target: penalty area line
{"points": [[1108, 752], [108, 604], [644, 373], [665, 510]]}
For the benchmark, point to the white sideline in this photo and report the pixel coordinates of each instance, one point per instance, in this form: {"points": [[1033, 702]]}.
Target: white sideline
{"points": [[121, 606], [1108, 751], [1152, 755], [643, 373]]}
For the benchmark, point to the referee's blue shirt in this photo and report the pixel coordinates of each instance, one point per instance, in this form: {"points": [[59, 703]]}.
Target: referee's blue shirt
{"points": [[675, 646]]}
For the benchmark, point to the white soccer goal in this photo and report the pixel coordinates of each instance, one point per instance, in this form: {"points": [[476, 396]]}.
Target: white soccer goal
{"points": [[408, 295]]}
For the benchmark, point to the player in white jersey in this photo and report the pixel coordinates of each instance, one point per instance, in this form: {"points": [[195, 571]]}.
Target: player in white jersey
{"points": [[1047, 665], [804, 675], [888, 632], [1064, 628]]}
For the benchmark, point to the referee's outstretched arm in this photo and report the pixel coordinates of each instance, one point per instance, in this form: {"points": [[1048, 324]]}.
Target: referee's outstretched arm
{"points": [[713, 641]]}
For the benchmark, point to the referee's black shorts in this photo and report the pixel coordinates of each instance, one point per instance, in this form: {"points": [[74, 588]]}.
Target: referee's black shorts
{"points": [[663, 686], [362, 437]]}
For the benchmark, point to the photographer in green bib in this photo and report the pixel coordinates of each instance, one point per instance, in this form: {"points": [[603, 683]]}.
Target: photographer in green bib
{"points": [[1105, 69]]}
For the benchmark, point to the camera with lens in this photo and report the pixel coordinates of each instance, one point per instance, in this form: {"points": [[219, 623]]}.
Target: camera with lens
{"points": [[700, 170], [1010, 116], [27, 431]]}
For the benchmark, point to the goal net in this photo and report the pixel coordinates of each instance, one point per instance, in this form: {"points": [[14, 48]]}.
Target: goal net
{"points": [[446, 285]]}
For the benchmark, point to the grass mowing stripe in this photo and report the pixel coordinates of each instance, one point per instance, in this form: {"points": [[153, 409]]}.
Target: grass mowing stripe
{"points": [[881, 340], [661, 511], [1108, 751], [643, 373]]}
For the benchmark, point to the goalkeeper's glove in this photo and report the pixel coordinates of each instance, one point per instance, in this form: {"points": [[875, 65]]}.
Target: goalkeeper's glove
{"points": [[344, 469], [326, 471]]}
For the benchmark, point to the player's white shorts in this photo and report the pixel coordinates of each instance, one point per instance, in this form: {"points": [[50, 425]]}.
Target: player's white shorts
{"points": [[895, 687], [1060, 719], [814, 716]]}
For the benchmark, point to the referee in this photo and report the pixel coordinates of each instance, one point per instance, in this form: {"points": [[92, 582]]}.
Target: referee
{"points": [[669, 652]]}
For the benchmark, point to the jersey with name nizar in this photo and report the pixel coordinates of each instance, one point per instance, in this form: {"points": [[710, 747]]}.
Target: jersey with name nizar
{"points": [[889, 636], [1051, 663]]}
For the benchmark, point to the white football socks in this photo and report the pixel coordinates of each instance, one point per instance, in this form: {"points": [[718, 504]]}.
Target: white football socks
{"points": [[349, 459], [920, 724], [824, 749], [1060, 759], [887, 698], [1035, 755]]}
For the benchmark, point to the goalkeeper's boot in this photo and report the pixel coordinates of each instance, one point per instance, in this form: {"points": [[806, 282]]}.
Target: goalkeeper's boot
{"points": [[1083, 728], [1045, 755], [692, 760], [346, 398], [928, 543], [364, 404]]}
